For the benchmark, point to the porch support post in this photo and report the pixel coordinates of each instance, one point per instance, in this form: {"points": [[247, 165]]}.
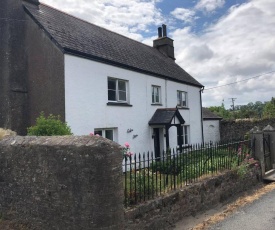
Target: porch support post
{"points": [[167, 136], [180, 137]]}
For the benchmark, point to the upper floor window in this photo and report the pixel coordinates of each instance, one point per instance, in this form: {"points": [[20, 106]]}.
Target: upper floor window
{"points": [[156, 94], [182, 99], [117, 90]]}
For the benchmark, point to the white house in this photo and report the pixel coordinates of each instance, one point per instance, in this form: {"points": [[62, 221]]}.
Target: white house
{"points": [[102, 82]]}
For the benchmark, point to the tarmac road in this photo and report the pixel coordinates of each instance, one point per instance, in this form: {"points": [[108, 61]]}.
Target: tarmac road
{"points": [[259, 215]]}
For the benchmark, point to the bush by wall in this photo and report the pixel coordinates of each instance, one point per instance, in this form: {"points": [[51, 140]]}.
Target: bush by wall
{"points": [[49, 126]]}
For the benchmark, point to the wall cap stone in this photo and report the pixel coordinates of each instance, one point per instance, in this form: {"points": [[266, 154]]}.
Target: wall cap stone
{"points": [[269, 128]]}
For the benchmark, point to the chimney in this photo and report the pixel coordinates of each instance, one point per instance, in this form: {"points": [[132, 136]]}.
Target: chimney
{"points": [[164, 44]]}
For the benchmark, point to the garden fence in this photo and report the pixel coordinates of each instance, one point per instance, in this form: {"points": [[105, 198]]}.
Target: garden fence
{"points": [[146, 177]]}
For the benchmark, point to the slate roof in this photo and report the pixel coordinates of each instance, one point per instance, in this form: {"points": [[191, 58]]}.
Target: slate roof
{"points": [[165, 116], [208, 115], [78, 37]]}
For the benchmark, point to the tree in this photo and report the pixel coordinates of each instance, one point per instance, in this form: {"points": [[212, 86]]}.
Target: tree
{"points": [[269, 109], [221, 111], [251, 110]]}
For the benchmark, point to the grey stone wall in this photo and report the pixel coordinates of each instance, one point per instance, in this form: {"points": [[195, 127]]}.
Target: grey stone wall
{"points": [[31, 69], [237, 129], [164, 212], [13, 66], [61, 183]]}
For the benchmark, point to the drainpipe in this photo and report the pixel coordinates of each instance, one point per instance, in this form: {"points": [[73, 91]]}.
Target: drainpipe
{"points": [[165, 92], [201, 91]]}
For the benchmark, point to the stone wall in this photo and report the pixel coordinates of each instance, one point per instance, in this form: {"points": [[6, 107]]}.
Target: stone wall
{"points": [[163, 213], [61, 183], [76, 183], [237, 129], [13, 66]]}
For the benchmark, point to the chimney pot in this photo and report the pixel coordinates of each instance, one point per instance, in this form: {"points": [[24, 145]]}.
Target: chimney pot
{"points": [[164, 30], [160, 32]]}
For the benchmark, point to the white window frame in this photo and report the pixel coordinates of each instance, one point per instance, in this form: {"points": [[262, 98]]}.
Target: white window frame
{"points": [[117, 90], [180, 99], [186, 134], [156, 90], [103, 131]]}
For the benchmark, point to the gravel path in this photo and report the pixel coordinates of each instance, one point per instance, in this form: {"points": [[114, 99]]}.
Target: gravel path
{"points": [[259, 215]]}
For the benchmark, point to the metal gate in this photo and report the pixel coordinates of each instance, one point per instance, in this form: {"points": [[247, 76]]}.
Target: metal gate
{"points": [[267, 152]]}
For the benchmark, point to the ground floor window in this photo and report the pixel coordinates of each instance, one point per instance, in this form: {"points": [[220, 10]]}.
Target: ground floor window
{"points": [[106, 133], [185, 135]]}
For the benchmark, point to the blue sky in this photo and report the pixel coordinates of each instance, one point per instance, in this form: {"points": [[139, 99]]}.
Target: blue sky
{"points": [[206, 14], [217, 41]]}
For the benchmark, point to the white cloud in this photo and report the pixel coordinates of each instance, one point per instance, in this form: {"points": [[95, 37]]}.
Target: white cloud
{"points": [[209, 5], [127, 17], [239, 46], [183, 14]]}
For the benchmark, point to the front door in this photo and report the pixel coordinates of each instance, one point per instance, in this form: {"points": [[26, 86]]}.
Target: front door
{"points": [[156, 143]]}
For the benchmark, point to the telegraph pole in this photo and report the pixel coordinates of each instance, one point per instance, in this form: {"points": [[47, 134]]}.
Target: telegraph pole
{"points": [[233, 100]]}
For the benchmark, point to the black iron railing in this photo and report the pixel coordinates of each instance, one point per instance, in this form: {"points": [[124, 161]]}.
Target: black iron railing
{"points": [[146, 177]]}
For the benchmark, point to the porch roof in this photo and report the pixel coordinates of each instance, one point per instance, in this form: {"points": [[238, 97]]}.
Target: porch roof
{"points": [[165, 116]]}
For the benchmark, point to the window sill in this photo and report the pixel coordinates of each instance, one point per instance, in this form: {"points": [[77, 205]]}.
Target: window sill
{"points": [[185, 146], [179, 107], [119, 104], [159, 104]]}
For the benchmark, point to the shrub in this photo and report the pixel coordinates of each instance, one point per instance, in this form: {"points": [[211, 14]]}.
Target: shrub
{"points": [[168, 166], [49, 126]]}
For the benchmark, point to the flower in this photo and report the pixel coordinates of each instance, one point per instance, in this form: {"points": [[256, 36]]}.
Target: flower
{"points": [[91, 134], [127, 145], [126, 150]]}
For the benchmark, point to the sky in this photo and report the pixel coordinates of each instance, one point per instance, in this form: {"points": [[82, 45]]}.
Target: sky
{"points": [[218, 42]]}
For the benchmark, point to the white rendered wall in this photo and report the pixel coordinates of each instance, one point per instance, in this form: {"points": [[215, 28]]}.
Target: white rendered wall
{"points": [[211, 130], [86, 98]]}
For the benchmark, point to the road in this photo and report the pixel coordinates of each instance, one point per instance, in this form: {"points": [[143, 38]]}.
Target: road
{"points": [[259, 215]]}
